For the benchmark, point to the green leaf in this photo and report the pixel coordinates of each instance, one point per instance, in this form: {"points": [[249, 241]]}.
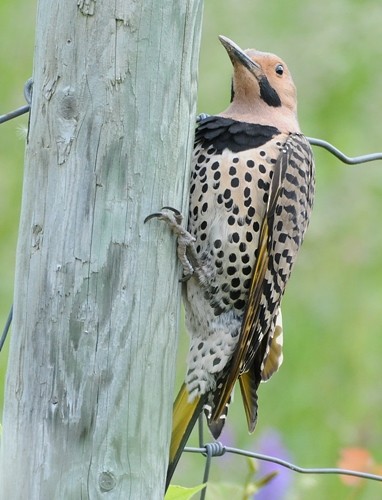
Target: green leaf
{"points": [[252, 465], [266, 479], [181, 493]]}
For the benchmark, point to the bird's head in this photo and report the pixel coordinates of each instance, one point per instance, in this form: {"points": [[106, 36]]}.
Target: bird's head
{"points": [[262, 87]]}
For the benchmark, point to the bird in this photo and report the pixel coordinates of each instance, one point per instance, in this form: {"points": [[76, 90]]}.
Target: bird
{"points": [[251, 195]]}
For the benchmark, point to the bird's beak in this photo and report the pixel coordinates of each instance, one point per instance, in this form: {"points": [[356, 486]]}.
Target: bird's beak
{"points": [[236, 54]]}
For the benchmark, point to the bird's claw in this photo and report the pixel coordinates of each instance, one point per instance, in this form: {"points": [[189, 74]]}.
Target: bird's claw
{"points": [[163, 216], [185, 240], [172, 217]]}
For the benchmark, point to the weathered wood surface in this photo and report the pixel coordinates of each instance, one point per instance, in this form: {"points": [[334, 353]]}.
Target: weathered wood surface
{"points": [[91, 367]]}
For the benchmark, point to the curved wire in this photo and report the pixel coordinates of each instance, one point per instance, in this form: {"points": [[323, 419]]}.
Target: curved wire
{"points": [[284, 463], [341, 156], [28, 91], [28, 88], [355, 160]]}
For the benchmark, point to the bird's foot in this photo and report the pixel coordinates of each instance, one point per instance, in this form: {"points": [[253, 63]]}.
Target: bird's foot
{"points": [[186, 249]]}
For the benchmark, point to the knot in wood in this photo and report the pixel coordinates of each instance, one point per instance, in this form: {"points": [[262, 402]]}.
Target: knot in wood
{"points": [[69, 105], [107, 481]]}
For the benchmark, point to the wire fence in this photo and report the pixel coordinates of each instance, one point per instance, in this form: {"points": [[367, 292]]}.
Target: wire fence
{"points": [[28, 88], [217, 449]]}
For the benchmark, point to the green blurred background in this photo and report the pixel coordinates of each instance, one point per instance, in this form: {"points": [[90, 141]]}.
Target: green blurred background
{"points": [[327, 395]]}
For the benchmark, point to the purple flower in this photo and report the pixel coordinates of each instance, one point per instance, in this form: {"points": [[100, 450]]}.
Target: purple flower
{"points": [[271, 444]]}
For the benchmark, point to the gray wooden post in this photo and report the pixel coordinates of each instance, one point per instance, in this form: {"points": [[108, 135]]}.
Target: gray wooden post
{"points": [[91, 367]]}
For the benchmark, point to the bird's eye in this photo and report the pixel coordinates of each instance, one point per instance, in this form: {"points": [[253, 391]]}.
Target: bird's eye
{"points": [[279, 69]]}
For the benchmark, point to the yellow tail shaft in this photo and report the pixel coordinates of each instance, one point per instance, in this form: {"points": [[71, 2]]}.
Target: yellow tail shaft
{"points": [[184, 417]]}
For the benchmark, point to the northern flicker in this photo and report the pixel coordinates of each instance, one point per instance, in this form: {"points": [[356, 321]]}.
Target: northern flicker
{"points": [[251, 194]]}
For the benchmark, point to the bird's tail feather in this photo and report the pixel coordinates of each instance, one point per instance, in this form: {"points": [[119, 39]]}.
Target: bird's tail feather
{"points": [[248, 385], [185, 415]]}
